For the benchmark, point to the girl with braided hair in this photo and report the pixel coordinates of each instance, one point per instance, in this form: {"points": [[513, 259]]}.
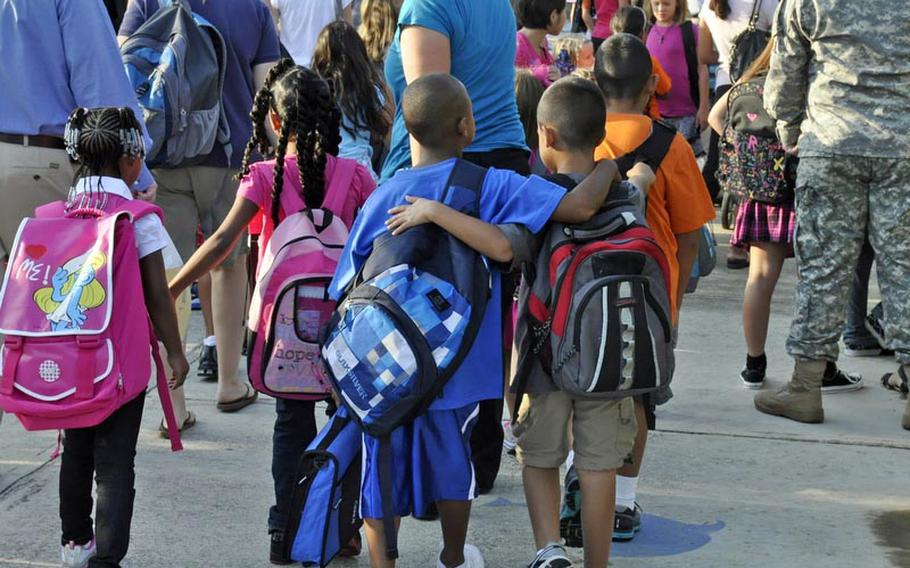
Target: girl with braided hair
{"points": [[107, 147], [367, 107], [297, 173]]}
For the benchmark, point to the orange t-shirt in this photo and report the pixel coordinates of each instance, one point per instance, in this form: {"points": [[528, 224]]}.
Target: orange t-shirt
{"points": [[664, 84], [678, 201]]}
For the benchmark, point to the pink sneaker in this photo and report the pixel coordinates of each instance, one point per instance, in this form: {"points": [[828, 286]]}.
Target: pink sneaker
{"points": [[76, 556]]}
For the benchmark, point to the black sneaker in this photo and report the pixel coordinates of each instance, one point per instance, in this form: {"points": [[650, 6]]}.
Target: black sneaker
{"points": [[626, 523], [570, 515], [752, 378], [837, 381], [278, 550], [875, 323], [208, 364], [862, 348]]}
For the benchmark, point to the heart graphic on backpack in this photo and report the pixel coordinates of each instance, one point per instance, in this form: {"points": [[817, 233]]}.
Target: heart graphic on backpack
{"points": [[751, 116], [35, 251]]}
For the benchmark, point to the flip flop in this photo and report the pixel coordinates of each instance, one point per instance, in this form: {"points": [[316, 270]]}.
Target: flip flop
{"points": [[187, 424], [240, 403]]}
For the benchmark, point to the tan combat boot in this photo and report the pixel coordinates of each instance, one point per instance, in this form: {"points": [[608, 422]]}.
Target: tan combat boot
{"points": [[801, 398]]}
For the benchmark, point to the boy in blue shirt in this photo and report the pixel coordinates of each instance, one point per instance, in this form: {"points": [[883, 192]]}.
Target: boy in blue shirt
{"points": [[432, 455]]}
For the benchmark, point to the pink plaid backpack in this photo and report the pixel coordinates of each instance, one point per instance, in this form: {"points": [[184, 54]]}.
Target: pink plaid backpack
{"points": [[77, 339], [290, 307]]}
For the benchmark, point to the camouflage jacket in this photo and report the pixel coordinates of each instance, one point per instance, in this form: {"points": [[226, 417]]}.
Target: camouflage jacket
{"points": [[839, 82]]}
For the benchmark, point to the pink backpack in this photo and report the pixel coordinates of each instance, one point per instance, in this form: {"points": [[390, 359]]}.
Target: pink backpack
{"points": [[290, 306], [73, 350]]}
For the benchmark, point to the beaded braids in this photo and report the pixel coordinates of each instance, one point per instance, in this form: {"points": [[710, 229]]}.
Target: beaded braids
{"points": [[97, 138], [306, 106]]}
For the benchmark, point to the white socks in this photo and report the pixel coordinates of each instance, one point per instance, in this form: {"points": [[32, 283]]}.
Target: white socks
{"points": [[209, 341], [570, 459], [626, 489]]}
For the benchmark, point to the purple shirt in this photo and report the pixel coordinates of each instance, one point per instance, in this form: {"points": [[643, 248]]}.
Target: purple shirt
{"points": [[666, 44], [249, 33]]}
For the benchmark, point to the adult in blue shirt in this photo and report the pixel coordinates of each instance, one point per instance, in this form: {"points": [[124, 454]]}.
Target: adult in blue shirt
{"points": [[202, 195], [473, 40], [57, 55]]}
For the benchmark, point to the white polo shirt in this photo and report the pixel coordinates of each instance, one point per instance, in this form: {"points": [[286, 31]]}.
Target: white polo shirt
{"points": [[151, 235]]}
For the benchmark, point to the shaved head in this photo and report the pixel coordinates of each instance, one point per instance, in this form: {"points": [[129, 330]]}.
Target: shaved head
{"points": [[433, 107]]}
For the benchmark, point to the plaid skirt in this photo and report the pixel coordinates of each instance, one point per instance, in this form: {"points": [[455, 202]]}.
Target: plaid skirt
{"points": [[758, 222]]}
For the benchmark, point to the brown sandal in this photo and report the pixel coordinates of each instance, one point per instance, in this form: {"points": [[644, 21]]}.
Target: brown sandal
{"points": [[240, 403], [187, 424]]}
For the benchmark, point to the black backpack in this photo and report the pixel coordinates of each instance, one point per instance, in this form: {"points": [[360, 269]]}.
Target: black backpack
{"points": [[748, 45]]}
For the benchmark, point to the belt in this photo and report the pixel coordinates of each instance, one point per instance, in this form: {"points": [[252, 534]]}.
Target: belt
{"points": [[39, 140]]}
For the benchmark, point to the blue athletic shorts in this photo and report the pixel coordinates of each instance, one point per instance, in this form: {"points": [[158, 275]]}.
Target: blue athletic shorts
{"points": [[431, 461]]}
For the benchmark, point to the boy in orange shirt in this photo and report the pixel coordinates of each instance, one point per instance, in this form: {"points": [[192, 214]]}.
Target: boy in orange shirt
{"points": [[677, 207], [632, 20]]}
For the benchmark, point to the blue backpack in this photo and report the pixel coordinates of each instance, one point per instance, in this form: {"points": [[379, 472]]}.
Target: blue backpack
{"points": [[176, 63], [325, 508], [407, 322]]}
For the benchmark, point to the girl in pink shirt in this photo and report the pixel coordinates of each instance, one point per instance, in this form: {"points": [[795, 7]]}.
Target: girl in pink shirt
{"points": [[298, 174], [539, 18]]}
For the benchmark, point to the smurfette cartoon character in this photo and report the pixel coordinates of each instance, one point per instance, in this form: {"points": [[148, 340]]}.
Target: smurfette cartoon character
{"points": [[74, 290]]}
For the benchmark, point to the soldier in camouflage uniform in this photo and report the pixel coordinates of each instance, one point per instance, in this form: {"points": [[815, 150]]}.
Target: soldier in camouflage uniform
{"points": [[839, 87]]}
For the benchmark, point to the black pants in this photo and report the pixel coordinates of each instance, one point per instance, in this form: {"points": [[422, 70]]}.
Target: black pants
{"points": [[108, 451], [295, 428], [709, 171], [486, 440]]}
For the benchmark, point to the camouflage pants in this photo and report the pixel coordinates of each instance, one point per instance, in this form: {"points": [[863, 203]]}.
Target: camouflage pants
{"points": [[837, 201]]}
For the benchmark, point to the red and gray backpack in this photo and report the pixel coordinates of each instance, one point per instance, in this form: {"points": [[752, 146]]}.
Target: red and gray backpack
{"points": [[597, 308]]}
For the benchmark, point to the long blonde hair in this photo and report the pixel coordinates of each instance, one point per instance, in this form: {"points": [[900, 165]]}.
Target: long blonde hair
{"points": [[378, 22], [93, 293], [761, 64]]}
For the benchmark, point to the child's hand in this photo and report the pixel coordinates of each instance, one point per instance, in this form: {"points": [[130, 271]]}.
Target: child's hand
{"points": [[554, 73], [179, 369], [642, 174], [419, 212]]}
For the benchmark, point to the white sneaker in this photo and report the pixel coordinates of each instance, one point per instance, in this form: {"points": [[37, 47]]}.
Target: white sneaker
{"points": [[509, 441], [75, 556], [472, 557]]}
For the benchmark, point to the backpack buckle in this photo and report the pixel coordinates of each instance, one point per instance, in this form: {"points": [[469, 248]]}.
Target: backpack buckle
{"points": [[86, 342], [85, 363]]}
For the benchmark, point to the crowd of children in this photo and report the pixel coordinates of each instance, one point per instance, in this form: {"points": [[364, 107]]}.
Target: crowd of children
{"points": [[628, 106]]}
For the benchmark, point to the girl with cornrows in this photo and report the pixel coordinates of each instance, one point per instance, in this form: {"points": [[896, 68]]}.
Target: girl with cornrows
{"points": [[299, 107], [106, 144]]}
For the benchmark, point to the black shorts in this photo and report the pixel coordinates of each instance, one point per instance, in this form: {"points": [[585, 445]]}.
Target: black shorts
{"points": [[514, 159]]}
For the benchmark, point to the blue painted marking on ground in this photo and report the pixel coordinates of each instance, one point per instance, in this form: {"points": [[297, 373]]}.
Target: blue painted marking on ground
{"points": [[666, 537], [502, 502]]}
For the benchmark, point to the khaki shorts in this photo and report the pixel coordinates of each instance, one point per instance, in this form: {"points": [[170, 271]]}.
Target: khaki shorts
{"points": [[604, 431], [29, 177], [196, 196]]}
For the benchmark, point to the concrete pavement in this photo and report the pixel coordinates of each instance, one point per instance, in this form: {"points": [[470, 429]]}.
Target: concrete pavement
{"points": [[723, 486]]}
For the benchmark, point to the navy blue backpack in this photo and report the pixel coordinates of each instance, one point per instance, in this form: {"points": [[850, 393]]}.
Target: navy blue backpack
{"points": [[408, 320], [325, 508]]}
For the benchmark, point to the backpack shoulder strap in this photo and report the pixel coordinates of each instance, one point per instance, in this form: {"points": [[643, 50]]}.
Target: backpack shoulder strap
{"points": [[139, 209], [164, 392], [50, 210], [465, 175], [689, 48], [337, 187], [652, 151]]}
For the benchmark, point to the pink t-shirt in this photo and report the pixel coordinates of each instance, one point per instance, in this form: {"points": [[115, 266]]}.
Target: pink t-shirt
{"points": [[527, 57], [666, 44], [342, 201], [605, 11]]}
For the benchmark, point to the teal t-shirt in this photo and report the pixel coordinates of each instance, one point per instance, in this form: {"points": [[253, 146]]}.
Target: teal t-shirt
{"points": [[482, 36]]}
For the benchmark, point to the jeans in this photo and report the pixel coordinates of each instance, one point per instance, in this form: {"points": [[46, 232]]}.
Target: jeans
{"points": [[855, 329], [108, 451], [295, 428]]}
